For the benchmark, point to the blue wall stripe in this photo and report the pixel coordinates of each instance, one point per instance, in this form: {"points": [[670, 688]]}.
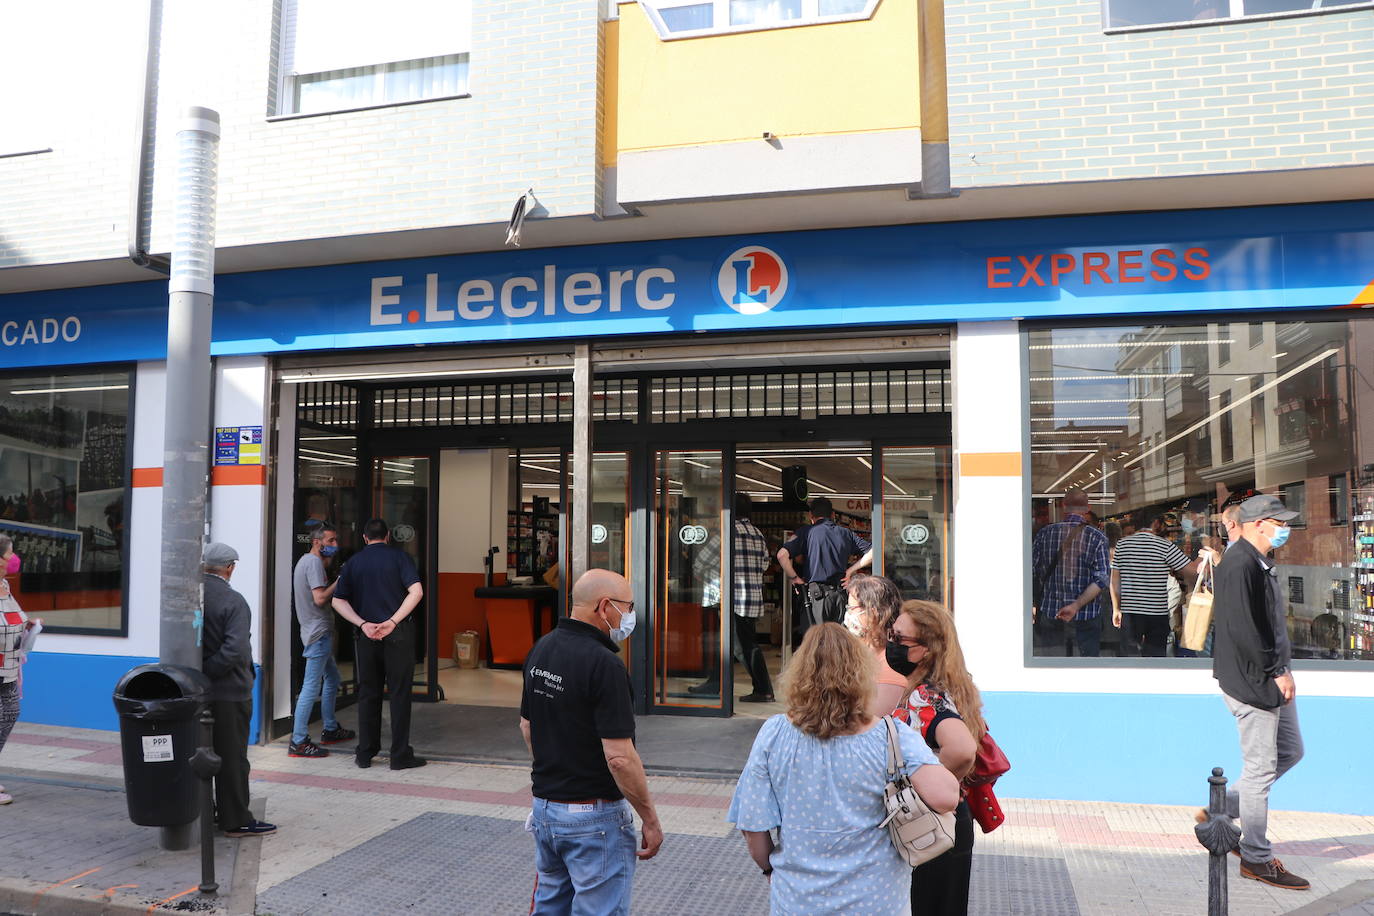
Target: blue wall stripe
{"points": [[76, 690], [1160, 749]]}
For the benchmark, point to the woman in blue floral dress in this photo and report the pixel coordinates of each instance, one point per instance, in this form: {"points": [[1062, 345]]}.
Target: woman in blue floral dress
{"points": [[816, 776]]}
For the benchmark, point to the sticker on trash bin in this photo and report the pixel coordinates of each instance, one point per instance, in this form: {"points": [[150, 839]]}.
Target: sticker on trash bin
{"points": [[157, 748]]}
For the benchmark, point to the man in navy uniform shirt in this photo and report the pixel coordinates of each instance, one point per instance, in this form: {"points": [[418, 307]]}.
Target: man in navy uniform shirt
{"points": [[376, 591], [577, 718], [827, 548]]}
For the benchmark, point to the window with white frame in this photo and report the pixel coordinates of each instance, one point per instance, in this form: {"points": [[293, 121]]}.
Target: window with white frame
{"points": [[689, 18], [338, 55], [1125, 14]]}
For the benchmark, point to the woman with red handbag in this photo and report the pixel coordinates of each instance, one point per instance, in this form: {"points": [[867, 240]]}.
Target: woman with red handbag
{"points": [[944, 704]]}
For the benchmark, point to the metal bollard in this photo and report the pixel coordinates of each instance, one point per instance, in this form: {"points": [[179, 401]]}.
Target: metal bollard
{"points": [[1219, 835], [206, 763]]}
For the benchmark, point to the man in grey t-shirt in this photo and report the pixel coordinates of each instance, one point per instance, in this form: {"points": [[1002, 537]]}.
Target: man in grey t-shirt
{"points": [[313, 591]]}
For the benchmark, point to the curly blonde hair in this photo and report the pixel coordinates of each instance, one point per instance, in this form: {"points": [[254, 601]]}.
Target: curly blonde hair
{"points": [[829, 683], [943, 665]]}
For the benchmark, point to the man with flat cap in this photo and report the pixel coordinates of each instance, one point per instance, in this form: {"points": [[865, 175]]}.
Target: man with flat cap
{"points": [[227, 661], [1250, 658]]}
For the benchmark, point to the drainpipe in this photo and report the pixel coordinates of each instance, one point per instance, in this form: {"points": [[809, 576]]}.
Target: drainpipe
{"points": [[140, 203], [934, 102]]}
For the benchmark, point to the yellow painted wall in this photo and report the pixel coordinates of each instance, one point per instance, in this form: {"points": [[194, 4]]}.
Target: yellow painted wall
{"points": [[843, 77]]}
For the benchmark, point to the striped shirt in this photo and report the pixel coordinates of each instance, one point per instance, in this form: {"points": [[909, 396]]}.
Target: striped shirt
{"points": [[1081, 562], [751, 562], [1146, 562]]}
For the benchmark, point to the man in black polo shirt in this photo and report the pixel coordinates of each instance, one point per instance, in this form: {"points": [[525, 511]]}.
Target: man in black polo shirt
{"points": [[578, 722], [376, 591], [827, 548]]}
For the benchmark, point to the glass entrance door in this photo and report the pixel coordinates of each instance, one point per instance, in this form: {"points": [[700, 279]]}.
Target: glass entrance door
{"points": [[403, 492], [688, 606], [916, 521]]}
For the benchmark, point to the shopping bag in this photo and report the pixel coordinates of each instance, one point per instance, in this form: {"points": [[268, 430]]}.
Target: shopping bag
{"points": [[1198, 619]]}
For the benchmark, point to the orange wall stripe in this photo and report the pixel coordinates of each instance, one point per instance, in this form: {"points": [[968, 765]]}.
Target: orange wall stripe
{"points": [[147, 477], [990, 464], [238, 475]]}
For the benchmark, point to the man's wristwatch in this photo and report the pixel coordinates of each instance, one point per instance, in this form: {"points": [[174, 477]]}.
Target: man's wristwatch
{"points": [[1282, 670]]}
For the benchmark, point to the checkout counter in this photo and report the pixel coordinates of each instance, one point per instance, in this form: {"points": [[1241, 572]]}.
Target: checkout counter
{"points": [[517, 615]]}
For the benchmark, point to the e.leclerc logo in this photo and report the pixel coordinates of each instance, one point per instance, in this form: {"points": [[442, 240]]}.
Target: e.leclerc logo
{"points": [[752, 280]]}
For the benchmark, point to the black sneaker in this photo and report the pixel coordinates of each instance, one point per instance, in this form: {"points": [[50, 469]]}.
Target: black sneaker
{"points": [[408, 763], [362, 762], [255, 828], [704, 689], [757, 698], [335, 735], [306, 748], [1273, 873]]}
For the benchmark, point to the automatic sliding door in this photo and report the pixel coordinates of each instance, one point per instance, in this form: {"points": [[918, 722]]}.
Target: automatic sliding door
{"points": [[688, 610], [916, 520], [402, 493]]}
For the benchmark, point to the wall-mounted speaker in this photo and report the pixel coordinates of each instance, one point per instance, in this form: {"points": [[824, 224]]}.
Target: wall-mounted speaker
{"points": [[795, 491]]}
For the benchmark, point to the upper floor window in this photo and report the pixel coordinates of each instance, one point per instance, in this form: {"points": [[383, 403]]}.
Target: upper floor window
{"points": [[339, 55], [1125, 14], [688, 18]]}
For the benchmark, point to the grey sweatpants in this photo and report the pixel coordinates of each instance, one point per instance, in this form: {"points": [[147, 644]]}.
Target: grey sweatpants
{"points": [[1270, 745]]}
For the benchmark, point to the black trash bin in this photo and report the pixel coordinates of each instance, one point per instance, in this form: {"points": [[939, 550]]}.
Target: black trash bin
{"points": [[159, 729]]}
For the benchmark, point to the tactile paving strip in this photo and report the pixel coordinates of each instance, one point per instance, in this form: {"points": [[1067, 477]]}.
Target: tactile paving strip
{"points": [[1021, 886], [456, 863]]}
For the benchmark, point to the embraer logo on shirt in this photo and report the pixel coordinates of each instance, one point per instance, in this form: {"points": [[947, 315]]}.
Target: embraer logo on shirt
{"points": [[551, 681]]}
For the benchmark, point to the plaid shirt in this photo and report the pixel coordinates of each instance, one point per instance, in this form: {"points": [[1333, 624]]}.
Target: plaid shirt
{"points": [[751, 562], [1083, 562]]}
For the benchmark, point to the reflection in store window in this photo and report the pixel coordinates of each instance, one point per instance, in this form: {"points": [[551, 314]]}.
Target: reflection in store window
{"points": [[64, 473], [1162, 434]]}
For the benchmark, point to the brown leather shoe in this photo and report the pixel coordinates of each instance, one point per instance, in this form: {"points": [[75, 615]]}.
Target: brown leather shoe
{"points": [[1273, 872]]}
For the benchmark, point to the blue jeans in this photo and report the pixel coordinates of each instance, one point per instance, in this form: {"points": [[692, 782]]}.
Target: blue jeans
{"points": [[319, 668], [585, 858]]}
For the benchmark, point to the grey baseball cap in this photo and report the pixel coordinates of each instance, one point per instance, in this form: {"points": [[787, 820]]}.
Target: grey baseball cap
{"points": [[1265, 506], [218, 555]]}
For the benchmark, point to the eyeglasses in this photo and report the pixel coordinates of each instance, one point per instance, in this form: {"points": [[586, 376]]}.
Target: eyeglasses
{"points": [[908, 641], [622, 601]]}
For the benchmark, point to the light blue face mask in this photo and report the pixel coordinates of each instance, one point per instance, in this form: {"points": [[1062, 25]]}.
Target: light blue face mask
{"points": [[1280, 537], [627, 626], [328, 550]]}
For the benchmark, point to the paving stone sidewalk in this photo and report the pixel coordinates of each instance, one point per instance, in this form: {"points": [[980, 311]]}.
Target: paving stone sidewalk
{"points": [[448, 838]]}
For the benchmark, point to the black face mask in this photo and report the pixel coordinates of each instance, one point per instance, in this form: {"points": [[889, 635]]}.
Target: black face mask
{"points": [[897, 659]]}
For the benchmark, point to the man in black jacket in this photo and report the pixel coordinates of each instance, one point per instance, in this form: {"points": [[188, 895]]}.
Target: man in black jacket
{"points": [[227, 660], [1250, 660]]}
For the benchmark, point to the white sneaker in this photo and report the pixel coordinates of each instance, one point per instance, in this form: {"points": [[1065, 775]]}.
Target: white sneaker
{"points": [[5, 799]]}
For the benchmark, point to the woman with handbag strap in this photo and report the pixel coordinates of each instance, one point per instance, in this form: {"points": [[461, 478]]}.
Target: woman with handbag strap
{"points": [[816, 774], [945, 705]]}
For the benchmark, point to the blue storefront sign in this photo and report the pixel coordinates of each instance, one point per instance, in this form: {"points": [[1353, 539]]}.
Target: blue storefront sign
{"points": [[1254, 259]]}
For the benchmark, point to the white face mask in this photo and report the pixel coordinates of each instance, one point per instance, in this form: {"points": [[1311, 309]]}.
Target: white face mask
{"points": [[627, 626], [855, 621]]}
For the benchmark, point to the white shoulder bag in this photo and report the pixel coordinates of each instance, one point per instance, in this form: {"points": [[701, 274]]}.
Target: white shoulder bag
{"points": [[919, 833]]}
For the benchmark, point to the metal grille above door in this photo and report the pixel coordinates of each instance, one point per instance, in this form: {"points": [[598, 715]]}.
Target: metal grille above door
{"points": [[327, 404], [801, 395], [501, 403]]}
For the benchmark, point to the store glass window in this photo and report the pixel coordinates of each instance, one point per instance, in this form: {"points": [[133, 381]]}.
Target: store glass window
{"points": [[64, 488], [1142, 434]]}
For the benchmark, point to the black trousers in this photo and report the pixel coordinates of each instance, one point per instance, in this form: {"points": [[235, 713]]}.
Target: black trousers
{"points": [[940, 886], [824, 603], [1148, 632], [743, 630], [230, 737], [390, 661]]}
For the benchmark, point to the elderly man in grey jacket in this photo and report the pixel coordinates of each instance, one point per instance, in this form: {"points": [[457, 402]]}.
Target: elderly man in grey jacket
{"points": [[227, 660]]}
